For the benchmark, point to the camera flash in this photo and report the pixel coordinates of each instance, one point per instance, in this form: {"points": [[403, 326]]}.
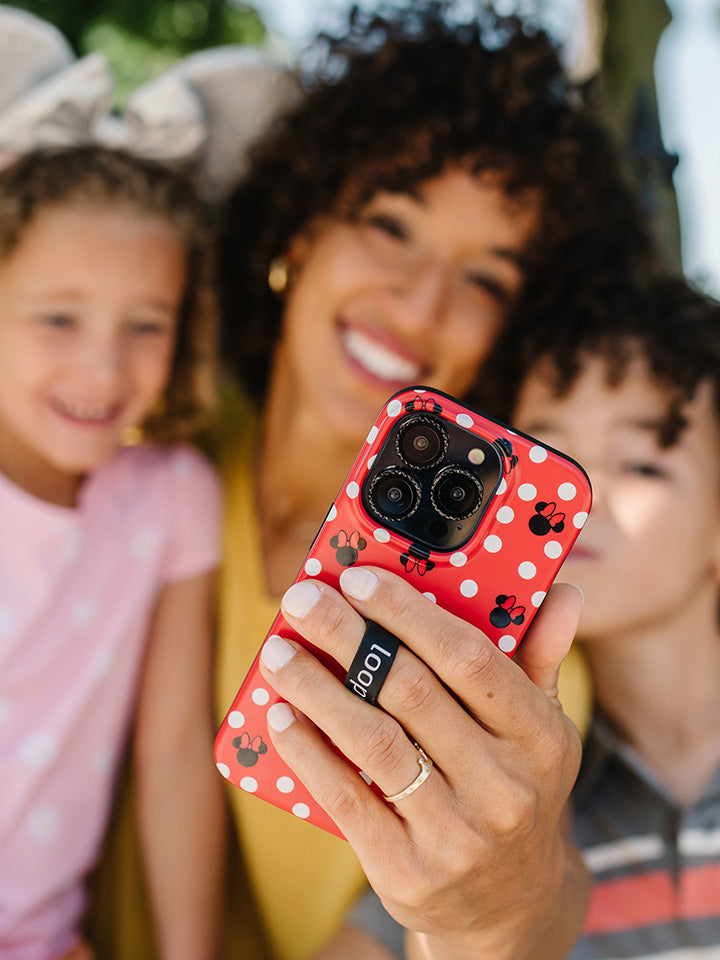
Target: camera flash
{"points": [[476, 456]]}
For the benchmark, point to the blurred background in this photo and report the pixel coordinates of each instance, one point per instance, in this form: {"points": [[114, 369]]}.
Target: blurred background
{"points": [[657, 64]]}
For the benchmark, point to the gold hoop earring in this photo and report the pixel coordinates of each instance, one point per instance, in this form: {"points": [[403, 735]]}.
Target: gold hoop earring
{"points": [[278, 274]]}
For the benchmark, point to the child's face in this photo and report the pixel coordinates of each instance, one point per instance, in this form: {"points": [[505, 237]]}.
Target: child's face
{"points": [[650, 550], [88, 309]]}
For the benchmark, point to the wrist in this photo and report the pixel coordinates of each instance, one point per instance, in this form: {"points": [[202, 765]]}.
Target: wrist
{"points": [[544, 930]]}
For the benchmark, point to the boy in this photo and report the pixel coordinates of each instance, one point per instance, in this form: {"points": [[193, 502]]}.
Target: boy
{"points": [[635, 398]]}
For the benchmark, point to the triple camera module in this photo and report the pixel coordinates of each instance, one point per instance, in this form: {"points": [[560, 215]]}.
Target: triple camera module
{"points": [[432, 481]]}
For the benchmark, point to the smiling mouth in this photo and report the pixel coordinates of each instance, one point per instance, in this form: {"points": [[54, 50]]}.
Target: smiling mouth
{"points": [[90, 414], [378, 360]]}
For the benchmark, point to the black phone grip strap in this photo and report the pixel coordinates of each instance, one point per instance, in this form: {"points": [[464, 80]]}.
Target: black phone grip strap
{"points": [[372, 661]]}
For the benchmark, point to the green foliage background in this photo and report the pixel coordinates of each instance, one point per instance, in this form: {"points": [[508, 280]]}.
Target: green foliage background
{"points": [[141, 38]]}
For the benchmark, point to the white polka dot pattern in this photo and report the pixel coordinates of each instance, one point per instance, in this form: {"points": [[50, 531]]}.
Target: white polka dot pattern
{"points": [[38, 749], [84, 612], [6, 622], [43, 824], [526, 491], [143, 542], [313, 567]]}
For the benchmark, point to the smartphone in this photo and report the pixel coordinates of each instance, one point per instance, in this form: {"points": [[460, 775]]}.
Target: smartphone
{"points": [[477, 516]]}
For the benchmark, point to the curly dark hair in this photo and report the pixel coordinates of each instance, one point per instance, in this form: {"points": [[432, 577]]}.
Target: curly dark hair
{"points": [[671, 325], [393, 101], [95, 176]]}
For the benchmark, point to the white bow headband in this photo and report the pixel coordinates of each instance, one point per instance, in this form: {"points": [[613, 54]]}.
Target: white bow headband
{"points": [[207, 109]]}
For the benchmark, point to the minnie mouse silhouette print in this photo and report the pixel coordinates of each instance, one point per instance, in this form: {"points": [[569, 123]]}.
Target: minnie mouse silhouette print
{"points": [[249, 751], [546, 519], [506, 611], [347, 547]]}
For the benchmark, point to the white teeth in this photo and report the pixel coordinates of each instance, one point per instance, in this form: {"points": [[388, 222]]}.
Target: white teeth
{"points": [[379, 360], [92, 414]]}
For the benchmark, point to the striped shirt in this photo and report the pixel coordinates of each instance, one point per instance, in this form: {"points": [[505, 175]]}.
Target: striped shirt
{"points": [[656, 866]]}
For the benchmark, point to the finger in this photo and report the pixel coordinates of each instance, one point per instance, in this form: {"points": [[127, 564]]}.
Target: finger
{"points": [[411, 692], [490, 685], [370, 738], [551, 633], [339, 788]]}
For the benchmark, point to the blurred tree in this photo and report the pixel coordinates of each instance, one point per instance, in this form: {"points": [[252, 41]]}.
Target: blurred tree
{"points": [[632, 31], [141, 38]]}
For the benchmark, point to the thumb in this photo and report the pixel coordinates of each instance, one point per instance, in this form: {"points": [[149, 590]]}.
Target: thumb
{"points": [[548, 640]]}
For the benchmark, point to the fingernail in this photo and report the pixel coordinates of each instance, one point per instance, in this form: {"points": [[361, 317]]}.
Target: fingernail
{"points": [[300, 598], [358, 582], [579, 590], [280, 717], [276, 652]]}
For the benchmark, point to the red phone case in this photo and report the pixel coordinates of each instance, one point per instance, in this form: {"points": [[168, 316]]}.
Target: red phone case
{"points": [[496, 580]]}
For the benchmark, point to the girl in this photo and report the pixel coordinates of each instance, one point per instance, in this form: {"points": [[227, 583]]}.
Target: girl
{"points": [[107, 551]]}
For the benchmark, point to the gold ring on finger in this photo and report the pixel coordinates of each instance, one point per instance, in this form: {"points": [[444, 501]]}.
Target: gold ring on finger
{"points": [[426, 766]]}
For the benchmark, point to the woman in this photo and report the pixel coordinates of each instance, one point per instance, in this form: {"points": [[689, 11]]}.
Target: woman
{"points": [[440, 176]]}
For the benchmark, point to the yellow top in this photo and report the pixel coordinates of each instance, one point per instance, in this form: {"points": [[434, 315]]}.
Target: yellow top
{"points": [[304, 880], [575, 689]]}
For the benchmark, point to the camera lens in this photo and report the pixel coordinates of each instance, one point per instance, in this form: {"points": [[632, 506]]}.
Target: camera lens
{"points": [[456, 493], [395, 495], [421, 442]]}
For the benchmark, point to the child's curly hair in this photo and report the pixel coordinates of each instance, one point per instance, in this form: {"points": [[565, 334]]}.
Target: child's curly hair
{"points": [[673, 327], [396, 99], [94, 176]]}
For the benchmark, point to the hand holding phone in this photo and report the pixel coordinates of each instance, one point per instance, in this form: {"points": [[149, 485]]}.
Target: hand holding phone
{"points": [[476, 516]]}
